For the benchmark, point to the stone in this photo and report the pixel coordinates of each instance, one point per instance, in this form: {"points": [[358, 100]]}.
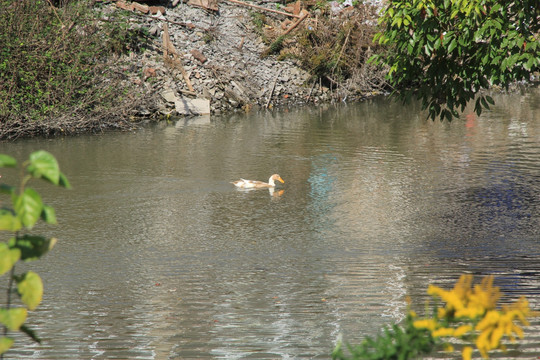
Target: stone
{"points": [[149, 72], [154, 30], [187, 106], [168, 95]]}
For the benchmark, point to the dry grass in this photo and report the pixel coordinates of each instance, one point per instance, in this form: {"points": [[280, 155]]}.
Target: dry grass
{"points": [[335, 48]]}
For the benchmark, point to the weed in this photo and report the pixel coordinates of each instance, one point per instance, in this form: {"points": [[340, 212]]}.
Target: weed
{"points": [[54, 60]]}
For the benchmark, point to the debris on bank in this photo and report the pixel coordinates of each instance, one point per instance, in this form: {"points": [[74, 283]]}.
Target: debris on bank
{"points": [[209, 57]]}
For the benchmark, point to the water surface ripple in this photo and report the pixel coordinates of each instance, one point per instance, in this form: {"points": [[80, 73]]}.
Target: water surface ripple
{"points": [[160, 257]]}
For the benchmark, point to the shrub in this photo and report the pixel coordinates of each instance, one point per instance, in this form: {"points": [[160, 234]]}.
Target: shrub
{"points": [[56, 61], [469, 315], [25, 211]]}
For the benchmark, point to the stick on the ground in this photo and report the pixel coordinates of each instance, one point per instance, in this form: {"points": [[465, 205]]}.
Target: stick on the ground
{"points": [[278, 43], [263, 8], [168, 49], [272, 91], [300, 19]]}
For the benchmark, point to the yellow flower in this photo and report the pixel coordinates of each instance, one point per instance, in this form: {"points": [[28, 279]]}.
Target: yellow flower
{"points": [[463, 286], [496, 336], [490, 319], [470, 312], [467, 353], [462, 330], [442, 332], [485, 295], [482, 343], [521, 310], [442, 313], [450, 297], [467, 304], [429, 324]]}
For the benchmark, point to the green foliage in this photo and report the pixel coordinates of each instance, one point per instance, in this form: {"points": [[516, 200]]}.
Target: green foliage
{"points": [[26, 210], [445, 51], [53, 60], [274, 47], [469, 315], [396, 342], [259, 20]]}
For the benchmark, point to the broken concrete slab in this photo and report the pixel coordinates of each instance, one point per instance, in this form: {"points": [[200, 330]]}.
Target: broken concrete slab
{"points": [[169, 96], [186, 106]]}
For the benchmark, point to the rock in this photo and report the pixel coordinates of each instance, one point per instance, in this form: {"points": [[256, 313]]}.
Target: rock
{"points": [[186, 106], [154, 30], [169, 96], [149, 72]]}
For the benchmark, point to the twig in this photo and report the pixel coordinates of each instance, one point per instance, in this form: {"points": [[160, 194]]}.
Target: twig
{"points": [[9, 289], [56, 13], [311, 91], [187, 25], [174, 59], [300, 19], [273, 88], [277, 44], [342, 50], [263, 8]]}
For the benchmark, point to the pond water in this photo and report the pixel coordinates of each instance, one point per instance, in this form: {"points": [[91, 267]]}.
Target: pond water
{"points": [[161, 257]]}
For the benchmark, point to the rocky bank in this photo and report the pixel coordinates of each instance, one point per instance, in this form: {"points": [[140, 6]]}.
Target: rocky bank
{"points": [[215, 64]]}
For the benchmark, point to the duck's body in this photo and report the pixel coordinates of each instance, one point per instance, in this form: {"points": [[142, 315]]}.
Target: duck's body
{"points": [[254, 184]]}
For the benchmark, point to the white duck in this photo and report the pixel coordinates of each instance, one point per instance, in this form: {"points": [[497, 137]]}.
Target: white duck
{"points": [[254, 184]]}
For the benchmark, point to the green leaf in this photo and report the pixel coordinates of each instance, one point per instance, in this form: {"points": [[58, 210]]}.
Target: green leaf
{"points": [[484, 102], [409, 49], [13, 318], [32, 247], [8, 221], [8, 258], [44, 165], [28, 207], [31, 333], [48, 214], [530, 63], [7, 161], [452, 45], [30, 288], [504, 65], [63, 181], [485, 59], [5, 344], [7, 189]]}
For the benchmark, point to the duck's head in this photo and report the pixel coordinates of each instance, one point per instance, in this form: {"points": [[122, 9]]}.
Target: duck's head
{"points": [[276, 177]]}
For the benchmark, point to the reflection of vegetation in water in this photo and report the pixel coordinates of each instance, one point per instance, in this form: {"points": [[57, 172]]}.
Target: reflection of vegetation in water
{"points": [[506, 200], [468, 317]]}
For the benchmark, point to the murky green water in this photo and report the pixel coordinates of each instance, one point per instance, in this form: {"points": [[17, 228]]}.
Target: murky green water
{"points": [[161, 257]]}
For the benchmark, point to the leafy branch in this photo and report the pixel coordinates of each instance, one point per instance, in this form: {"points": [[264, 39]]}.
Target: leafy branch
{"points": [[469, 317], [26, 210], [444, 52]]}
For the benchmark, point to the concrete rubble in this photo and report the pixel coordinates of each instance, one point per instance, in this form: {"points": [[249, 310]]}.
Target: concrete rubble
{"points": [[218, 60]]}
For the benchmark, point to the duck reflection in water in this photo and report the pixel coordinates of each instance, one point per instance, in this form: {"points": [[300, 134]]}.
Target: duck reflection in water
{"points": [[275, 193]]}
